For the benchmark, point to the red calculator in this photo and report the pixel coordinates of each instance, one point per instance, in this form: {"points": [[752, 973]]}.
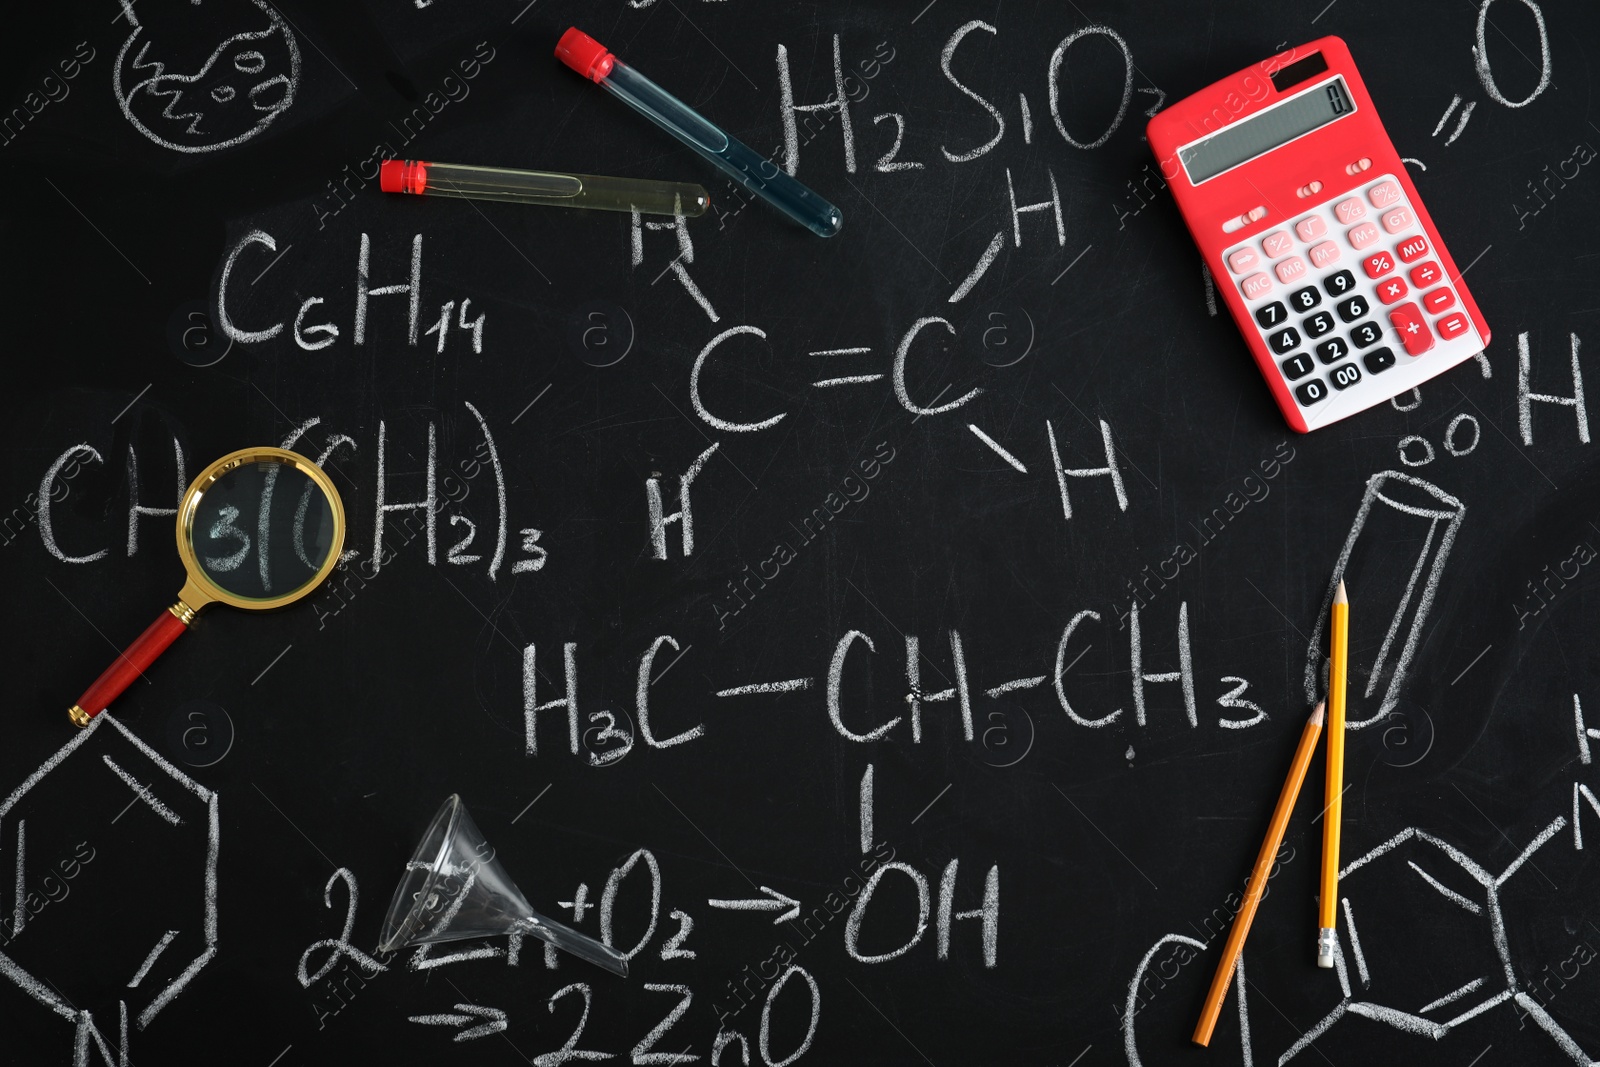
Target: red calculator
{"points": [[1309, 223]]}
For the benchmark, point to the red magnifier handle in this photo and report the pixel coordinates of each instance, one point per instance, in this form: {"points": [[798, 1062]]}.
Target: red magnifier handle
{"points": [[131, 663]]}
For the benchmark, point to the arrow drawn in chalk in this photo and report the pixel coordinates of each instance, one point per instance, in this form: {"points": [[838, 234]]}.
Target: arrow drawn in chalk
{"points": [[495, 1021], [775, 901]]}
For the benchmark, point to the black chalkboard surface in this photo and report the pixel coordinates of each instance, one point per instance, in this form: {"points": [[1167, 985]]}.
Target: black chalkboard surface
{"points": [[894, 643]]}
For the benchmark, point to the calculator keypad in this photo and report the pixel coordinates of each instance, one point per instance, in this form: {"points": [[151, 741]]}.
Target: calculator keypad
{"points": [[1399, 275]]}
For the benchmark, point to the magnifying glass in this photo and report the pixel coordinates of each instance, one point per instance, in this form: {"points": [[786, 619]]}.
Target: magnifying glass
{"points": [[259, 529]]}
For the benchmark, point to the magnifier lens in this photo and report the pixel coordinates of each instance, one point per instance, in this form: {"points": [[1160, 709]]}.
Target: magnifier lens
{"points": [[258, 529], [263, 530]]}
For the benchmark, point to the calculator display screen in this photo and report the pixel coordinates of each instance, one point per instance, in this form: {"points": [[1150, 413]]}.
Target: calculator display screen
{"points": [[1265, 131]]}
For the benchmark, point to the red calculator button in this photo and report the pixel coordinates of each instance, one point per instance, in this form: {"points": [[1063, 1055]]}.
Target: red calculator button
{"points": [[1379, 264], [1384, 194], [1391, 290], [1454, 325], [1348, 211], [1243, 260], [1438, 301], [1324, 254], [1414, 332], [1399, 219], [1290, 270], [1363, 235], [1277, 244], [1426, 275], [1412, 249], [1256, 286], [1310, 229]]}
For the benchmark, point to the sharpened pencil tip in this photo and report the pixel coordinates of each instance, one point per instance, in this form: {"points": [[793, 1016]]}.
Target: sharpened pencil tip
{"points": [[1341, 597], [1319, 711]]}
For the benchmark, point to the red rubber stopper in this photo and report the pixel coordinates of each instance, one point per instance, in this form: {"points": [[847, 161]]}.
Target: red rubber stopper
{"points": [[584, 54], [403, 176]]}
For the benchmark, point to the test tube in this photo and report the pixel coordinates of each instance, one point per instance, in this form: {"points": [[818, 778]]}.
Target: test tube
{"points": [[543, 187], [738, 160]]}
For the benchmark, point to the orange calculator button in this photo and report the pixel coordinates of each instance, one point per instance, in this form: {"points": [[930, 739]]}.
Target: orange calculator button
{"points": [[1454, 325], [1414, 332], [1412, 249], [1439, 301], [1391, 290], [1426, 274]]}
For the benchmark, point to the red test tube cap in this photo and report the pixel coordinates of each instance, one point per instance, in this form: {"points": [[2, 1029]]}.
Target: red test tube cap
{"points": [[403, 176], [584, 54]]}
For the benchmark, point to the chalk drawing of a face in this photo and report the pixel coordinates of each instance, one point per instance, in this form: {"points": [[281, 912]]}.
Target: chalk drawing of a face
{"points": [[234, 93]]}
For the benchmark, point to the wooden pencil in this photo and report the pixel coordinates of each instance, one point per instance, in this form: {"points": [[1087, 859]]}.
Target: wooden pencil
{"points": [[1333, 809], [1258, 878]]}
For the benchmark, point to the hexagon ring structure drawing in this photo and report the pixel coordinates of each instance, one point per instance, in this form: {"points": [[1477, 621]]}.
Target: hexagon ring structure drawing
{"points": [[1421, 891], [108, 885]]}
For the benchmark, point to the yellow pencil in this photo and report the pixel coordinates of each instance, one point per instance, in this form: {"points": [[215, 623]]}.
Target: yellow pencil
{"points": [[1332, 812], [1258, 878]]}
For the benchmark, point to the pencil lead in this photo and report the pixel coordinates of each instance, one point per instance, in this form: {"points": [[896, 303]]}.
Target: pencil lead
{"points": [[1318, 711], [1341, 597]]}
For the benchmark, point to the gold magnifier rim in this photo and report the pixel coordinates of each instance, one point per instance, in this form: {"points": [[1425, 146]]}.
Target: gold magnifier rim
{"points": [[200, 586]]}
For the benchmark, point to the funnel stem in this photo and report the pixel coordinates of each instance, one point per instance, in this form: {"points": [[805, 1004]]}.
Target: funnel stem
{"points": [[581, 945]]}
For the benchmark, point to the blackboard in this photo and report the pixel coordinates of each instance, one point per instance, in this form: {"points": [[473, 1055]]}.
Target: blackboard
{"points": [[981, 610]]}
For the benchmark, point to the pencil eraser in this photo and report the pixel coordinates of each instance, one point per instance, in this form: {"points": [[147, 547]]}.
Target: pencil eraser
{"points": [[584, 54], [1326, 942]]}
